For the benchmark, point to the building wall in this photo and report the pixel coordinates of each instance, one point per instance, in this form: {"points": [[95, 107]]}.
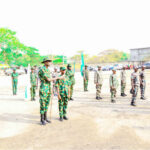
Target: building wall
{"points": [[139, 54]]}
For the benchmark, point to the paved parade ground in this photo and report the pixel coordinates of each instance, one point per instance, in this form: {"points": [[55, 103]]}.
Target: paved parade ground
{"points": [[92, 125]]}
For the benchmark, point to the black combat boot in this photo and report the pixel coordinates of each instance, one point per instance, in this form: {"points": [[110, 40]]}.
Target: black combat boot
{"points": [[71, 99], [42, 119], [61, 119], [45, 118], [65, 118], [133, 103], [122, 94], [113, 101], [143, 98], [97, 97]]}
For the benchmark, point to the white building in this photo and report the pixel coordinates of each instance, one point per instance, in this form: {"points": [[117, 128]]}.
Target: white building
{"points": [[139, 54]]}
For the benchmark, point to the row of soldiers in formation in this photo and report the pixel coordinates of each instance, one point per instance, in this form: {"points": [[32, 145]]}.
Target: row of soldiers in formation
{"points": [[63, 86], [136, 80]]}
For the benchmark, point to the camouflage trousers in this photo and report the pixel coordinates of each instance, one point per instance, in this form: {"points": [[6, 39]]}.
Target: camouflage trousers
{"points": [[85, 85], [63, 106], [134, 94], [123, 86], [98, 90], [113, 93], [14, 86], [33, 91], [71, 90], [44, 102], [142, 88]]}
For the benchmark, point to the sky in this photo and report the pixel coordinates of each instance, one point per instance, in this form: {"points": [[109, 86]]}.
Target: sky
{"points": [[67, 26]]}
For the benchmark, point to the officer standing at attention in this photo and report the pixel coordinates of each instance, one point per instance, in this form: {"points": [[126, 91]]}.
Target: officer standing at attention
{"points": [[69, 73], [85, 78], [14, 76], [45, 89], [142, 82], [134, 85], [63, 94], [113, 81], [123, 81], [98, 80], [33, 81]]}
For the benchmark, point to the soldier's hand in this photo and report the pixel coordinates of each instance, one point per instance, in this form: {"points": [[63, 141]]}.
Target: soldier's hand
{"points": [[59, 97], [62, 77]]}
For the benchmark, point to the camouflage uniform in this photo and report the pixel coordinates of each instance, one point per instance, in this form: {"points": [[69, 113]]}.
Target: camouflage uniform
{"points": [[33, 81], [70, 76], [63, 86], [98, 80], [123, 82], [45, 89], [54, 75], [142, 83], [85, 81], [113, 81], [14, 82], [134, 84]]}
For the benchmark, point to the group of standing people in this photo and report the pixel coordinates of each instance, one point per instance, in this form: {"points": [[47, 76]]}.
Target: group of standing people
{"points": [[137, 79], [64, 81]]}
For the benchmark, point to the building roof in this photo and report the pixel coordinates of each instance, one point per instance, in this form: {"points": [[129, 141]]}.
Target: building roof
{"points": [[140, 48]]}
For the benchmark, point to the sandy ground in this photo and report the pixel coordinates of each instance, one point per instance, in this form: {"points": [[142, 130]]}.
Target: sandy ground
{"points": [[92, 124]]}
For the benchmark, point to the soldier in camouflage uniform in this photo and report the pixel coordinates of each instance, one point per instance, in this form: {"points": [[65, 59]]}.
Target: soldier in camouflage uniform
{"points": [[63, 94], [113, 81], [142, 82], [45, 89], [85, 78], [123, 81], [33, 81], [69, 73], [54, 75], [14, 76], [134, 85], [98, 80]]}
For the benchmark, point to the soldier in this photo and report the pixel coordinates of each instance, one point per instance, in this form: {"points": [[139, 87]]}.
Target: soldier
{"points": [[45, 89], [123, 81], [69, 73], [134, 85], [33, 81], [142, 82], [113, 81], [14, 76], [85, 78], [98, 80], [63, 94], [54, 75]]}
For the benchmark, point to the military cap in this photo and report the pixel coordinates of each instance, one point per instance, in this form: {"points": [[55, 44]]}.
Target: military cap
{"points": [[32, 68], [14, 69], [69, 65], [46, 59], [99, 66], [62, 68], [113, 69], [86, 65]]}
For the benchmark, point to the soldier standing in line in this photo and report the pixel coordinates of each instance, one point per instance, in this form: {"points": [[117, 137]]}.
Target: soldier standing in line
{"points": [[123, 81], [142, 82], [14, 76], [134, 85], [98, 80], [63, 94], [69, 73], [113, 81], [85, 78], [45, 89], [33, 81]]}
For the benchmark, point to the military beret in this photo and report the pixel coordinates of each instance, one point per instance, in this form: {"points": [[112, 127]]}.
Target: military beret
{"points": [[69, 65], [14, 69], [62, 68], [46, 59]]}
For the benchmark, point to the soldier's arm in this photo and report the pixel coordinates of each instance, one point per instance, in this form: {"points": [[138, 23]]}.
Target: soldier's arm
{"points": [[95, 77]]}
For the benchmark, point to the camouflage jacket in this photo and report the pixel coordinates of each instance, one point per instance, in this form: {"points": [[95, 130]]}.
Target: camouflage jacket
{"points": [[45, 86], [98, 78], [123, 76], [14, 76], [113, 81], [70, 76], [63, 86], [33, 79], [86, 74]]}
